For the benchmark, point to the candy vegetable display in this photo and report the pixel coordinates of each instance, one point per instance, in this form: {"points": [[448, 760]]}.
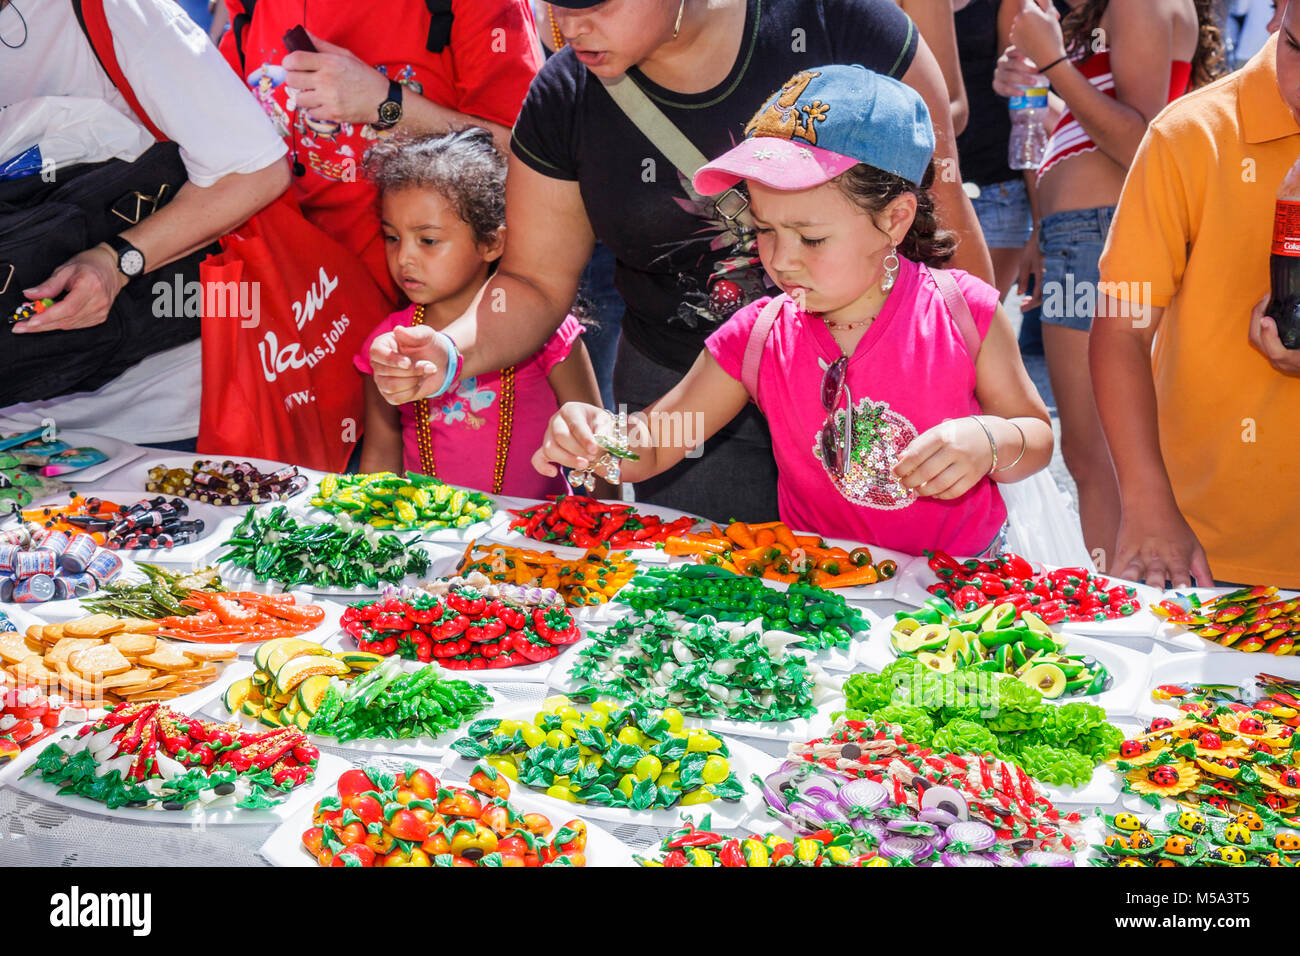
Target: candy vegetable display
{"points": [[592, 579], [699, 846], [702, 668], [412, 819], [389, 702], [863, 775], [998, 638], [467, 628], [614, 756], [771, 550], [820, 619], [1228, 754], [410, 502], [976, 711], [292, 678], [149, 756], [1191, 838], [585, 522], [1249, 619], [162, 594], [277, 547], [1066, 594], [27, 716], [226, 482]]}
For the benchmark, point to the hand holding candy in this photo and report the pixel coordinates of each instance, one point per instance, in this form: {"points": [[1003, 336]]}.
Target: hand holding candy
{"points": [[945, 461], [579, 437], [91, 280]]}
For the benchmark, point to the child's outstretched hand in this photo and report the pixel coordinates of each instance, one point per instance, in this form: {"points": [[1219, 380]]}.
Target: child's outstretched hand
{"points": [[945, 461], [406, 363], [571, 438]]}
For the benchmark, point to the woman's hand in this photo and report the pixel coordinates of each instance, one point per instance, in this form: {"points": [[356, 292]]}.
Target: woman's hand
{"points": [[91, 280], [1036, 32], [334, 84], [571, 438], [1264, 337], [1031, 274], [1015, 74], [946, 461], [1156, 545]]}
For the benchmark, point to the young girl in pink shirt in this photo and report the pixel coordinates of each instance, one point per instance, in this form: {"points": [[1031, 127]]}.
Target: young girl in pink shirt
{"points": [[443, 211], [894, 390]]}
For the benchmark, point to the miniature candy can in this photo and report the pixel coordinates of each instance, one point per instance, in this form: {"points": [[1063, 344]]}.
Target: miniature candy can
{"points": [[8, 554], [81, 549], [6, 588], [50, 540], [34, 590], [80, 585], [30, 563], [104, 566]]}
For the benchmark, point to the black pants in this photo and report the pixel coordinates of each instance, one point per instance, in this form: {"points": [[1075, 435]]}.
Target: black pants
{"points": [[734, 476]]}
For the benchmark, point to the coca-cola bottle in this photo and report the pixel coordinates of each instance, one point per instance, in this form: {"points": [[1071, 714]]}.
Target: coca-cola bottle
{"points": [[1284, 263]]}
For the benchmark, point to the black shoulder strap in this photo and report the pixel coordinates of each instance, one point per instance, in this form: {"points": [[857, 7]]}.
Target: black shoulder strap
{"points": [[439, 24], [239, 27]]}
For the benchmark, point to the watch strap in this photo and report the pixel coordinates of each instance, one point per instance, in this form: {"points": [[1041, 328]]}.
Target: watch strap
{"points": [[121, 247]]}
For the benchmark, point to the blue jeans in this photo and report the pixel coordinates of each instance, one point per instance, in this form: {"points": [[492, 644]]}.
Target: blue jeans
{"points": [[602, 315], [1072, 243], [1004, 214]]}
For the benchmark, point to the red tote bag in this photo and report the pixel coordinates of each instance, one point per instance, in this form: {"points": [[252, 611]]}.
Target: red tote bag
{"points": [[285, 309]]}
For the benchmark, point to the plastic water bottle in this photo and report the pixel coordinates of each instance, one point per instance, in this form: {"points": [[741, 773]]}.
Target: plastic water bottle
{"points": [[1028, 146]]}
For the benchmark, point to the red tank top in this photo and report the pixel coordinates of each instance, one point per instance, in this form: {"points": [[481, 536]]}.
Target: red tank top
{"points": [[1069, 138]]}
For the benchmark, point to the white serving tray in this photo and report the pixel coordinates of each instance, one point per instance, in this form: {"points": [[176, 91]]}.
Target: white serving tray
{"points": [[744, 759], [284, 847]]}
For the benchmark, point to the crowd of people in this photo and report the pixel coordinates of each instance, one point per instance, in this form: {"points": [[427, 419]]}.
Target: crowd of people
{"points": [[748, 255]]}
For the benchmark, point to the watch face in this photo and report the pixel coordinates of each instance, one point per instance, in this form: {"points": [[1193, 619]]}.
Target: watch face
{"points": [[130, 262], [390, 111]]}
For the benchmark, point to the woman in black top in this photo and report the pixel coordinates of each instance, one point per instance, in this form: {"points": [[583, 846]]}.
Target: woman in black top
{"points": [[580, 169]]}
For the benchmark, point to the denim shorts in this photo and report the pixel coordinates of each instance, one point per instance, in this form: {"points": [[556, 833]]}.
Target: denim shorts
{"points": [[1004, 215], [1072, 243]]}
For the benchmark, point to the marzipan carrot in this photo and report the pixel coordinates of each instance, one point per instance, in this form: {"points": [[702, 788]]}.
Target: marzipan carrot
{"points": [[739, 532], [858, 577]]}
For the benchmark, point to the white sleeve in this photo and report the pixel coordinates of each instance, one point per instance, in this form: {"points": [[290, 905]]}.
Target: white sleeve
{"points": [[189, 91]]}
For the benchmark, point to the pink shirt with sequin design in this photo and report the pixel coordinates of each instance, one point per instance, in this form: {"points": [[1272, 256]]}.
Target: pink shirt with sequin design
{"points": [[464, 422], [910, 372]]}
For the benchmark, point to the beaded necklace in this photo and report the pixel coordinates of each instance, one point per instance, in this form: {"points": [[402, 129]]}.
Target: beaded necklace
{"points": [[557, 38], [424, 437]]}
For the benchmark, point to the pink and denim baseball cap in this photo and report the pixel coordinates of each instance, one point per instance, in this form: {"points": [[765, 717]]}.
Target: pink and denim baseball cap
{"points": [[822, 122]]}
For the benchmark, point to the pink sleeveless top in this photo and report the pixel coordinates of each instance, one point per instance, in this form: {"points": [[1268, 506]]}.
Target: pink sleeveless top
{"points": [[910, 372]]}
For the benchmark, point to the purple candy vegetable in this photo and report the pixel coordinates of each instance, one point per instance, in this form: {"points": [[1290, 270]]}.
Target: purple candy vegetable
{"points": [[973, 835]]}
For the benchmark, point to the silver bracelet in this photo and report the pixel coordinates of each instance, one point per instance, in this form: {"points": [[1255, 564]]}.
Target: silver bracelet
{"points": [[1024, 444], [993, 446]]}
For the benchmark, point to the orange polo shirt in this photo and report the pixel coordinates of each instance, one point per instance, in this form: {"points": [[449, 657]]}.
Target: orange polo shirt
{"points": [[1195, 221]]}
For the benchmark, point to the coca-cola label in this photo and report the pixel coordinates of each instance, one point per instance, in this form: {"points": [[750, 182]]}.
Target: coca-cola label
{"points": [[1286, 229]]}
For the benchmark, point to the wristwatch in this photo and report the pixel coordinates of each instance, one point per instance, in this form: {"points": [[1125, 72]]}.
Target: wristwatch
{"points": [[130, 260], [390, 110]]}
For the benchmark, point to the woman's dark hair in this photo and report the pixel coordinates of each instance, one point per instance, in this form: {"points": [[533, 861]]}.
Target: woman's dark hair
{"points": [[1208, 63], [873, 189], [463, 166]]}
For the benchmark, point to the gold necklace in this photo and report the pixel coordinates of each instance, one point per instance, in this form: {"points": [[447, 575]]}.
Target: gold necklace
{"points": [[424, 436], [557, 38]]}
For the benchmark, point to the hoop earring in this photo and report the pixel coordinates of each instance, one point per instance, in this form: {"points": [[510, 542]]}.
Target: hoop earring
{"points": [[891, 271], [677, 27]]}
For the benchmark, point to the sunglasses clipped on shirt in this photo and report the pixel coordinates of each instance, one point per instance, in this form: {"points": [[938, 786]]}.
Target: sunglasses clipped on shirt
{"points": [[837, 453]]}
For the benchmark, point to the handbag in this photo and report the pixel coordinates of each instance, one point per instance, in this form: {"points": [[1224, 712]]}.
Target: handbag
{"points": [[278, 378]]}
